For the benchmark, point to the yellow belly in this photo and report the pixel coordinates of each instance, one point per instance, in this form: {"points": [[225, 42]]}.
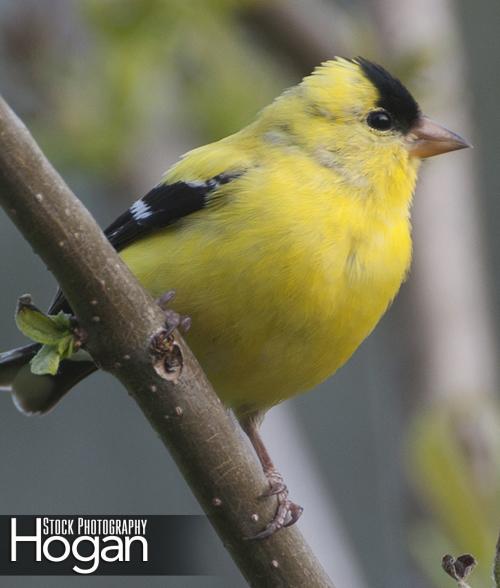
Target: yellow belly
{"points": [[279, 297]]}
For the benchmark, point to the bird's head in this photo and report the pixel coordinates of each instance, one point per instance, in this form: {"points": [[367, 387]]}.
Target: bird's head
{"points": [[353, 115]]}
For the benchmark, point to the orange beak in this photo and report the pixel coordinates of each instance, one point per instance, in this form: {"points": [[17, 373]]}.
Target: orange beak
{"points": [[427, 138]]}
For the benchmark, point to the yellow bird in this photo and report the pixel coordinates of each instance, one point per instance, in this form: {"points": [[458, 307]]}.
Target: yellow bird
{"points": [[285, 243]]}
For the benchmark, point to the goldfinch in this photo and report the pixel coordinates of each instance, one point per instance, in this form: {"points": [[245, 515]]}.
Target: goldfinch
{"points": [[285, 243]]}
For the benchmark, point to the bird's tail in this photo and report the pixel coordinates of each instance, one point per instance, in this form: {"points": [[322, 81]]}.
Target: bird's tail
{"points": [[34, 394]]}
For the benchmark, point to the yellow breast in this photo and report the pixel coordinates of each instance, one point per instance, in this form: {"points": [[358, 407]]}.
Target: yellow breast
{"points": [[282, 282]]}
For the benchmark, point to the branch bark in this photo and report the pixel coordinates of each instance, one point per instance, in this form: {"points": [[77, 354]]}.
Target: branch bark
{"points": [[120, 319]]}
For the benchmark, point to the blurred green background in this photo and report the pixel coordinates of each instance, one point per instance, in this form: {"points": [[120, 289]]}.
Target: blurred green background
{"points": [[396, 459]]}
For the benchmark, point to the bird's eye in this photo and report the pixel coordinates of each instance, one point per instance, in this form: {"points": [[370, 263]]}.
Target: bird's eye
{"points": [[380, 120]]}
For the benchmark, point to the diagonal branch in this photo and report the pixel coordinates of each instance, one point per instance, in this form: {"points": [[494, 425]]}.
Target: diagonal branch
{"points": [[120, 319]]}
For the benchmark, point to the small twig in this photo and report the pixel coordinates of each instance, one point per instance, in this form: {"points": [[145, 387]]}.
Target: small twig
{"points": [[460, 568]]}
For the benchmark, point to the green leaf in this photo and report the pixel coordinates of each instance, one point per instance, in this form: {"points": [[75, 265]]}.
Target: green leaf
{"points": [[46, 361], [61, 320], [65, 347], [55, 332], [40, 327]]}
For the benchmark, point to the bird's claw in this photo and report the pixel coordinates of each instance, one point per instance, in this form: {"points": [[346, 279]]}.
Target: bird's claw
{"points": [[276, 484], [173, 320], [287, 513], [164, 300]]}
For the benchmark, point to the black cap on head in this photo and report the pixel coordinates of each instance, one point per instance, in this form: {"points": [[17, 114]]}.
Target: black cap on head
{"points": [[393, 96]]}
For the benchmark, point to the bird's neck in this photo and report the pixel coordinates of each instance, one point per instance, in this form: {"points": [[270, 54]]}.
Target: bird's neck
{"points": [[384, 179]]}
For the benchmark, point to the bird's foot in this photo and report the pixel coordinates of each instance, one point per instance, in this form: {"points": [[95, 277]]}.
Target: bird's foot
{"points": [[276, 484], [173, 320], [287, 513]]}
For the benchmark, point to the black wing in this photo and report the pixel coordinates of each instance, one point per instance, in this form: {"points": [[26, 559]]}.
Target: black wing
{"points": [[162, 206]]}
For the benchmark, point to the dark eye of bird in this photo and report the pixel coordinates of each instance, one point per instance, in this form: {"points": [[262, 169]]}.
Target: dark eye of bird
{"points": [[380, 120]]}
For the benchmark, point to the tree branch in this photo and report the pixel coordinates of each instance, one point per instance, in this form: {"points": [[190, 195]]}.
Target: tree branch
{"points": [[120, 319]]}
